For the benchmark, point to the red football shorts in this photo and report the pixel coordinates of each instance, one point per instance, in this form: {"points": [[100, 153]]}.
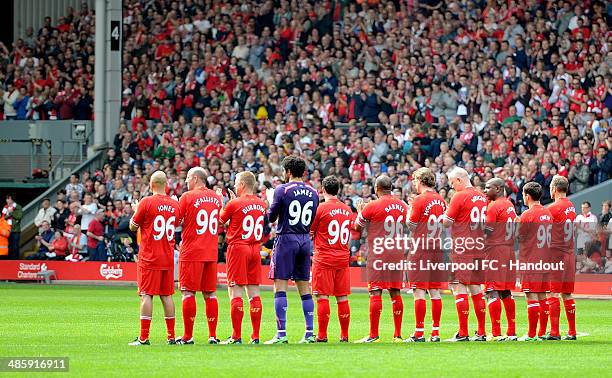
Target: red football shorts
{"points": [[243, 264], [378, 285], [563, 281], [198, 276], [330, 281], [498, 275], [535, 283], [430, 277], [155, 282], [427, 285], [469, 271], [381, 278], [506, 284]]}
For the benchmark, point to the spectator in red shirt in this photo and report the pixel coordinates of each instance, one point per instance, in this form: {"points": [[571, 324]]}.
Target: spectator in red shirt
{"points": [[139, 119], [96, 248], [59, 246], [214, 149]]}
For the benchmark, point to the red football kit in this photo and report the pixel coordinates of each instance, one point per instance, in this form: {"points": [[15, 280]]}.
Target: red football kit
{"points": [[535, 232], [467, 209], [199, 248], [562, 250], [157, 218], [562, 245], [501, 223], [426, 218], [246, 217], [331, 229], [385, 218]]}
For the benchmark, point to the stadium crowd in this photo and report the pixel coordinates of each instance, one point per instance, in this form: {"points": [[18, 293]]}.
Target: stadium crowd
{"points": [[520, 90]]}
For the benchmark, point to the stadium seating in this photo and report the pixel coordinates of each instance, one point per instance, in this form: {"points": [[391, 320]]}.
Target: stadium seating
{"points": [[513, 89]]}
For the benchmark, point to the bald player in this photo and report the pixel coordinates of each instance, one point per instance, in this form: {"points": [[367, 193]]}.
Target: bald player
{"points": [[156, 217], [384, 218], [500, 279], [466, 216], [200, 209], [245, 217]]}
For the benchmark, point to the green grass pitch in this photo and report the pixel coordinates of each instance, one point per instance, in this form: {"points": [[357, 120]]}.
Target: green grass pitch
{"points": [[93, 324]]}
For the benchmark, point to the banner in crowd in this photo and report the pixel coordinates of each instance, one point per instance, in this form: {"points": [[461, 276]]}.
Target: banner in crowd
{"points": [[26, 270]]}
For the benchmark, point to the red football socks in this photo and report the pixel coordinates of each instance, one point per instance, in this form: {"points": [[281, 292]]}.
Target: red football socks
{"points": [[463, 312], [495, 308], [510, 309], [375, 310], [398, 315], [554, 309], [543, 317], [436, 314], [255, 311], [237, 313], [145, 326], [189, 314], [480, 311], [570, 312], [170, 322], [533, 315], [323, 312], [344, 316], [212, 313], [420, 308]]}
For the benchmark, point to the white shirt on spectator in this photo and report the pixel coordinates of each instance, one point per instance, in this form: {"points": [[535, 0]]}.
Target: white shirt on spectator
{"points": [[202, 25], [610, 236], [478, 127], [88, 213], [187, 32], [520, 109], [241, 52], [24, 61], [573, 24], [400, 139], [9, 99], [44, 215], [585, 224], [78, 187]]}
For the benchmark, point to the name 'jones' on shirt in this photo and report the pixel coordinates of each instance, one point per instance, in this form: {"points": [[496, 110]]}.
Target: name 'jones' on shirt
{"points": [[168, 208]]}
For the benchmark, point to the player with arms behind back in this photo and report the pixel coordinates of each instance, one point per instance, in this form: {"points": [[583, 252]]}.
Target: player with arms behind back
{"points": [[562, 249], [331, 230], [294, 206], [500, 230], [425, 222], [466, 215], [384, 218], [534, 243], [246, 217], [200, 208], [156, 216]]}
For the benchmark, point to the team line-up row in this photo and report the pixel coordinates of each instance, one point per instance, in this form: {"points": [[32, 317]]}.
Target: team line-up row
{"points": [[303, 222]]}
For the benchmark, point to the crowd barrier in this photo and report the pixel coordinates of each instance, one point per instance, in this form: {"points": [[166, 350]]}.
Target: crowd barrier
{"points": [[22, 270]]}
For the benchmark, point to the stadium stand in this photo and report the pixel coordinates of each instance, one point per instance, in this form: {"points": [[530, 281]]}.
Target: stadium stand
{"points": [[521, 90]]}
